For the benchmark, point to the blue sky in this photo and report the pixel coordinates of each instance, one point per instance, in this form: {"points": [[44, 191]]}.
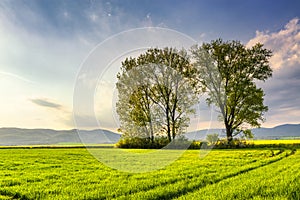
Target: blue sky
{"points": [[43, 44]]}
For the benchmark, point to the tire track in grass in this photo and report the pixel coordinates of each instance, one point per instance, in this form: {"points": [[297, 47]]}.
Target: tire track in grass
{"points": [[281, 182], [198, 183], [183, 177], [245, 170], [259, 166], [170, 181]]}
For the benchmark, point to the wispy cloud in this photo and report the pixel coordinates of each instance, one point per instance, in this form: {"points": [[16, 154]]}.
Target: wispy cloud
{"points": [[46, 103], [56, 113], [16, 76]]}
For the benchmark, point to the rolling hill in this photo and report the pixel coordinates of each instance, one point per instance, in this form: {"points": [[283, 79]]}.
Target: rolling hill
{"points": [[19, 136], [284, 131]]}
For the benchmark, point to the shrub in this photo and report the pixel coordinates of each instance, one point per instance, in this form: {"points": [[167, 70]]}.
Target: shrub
{"points": [[159, 142], [199, 145], [234, 144], [142, 143]]}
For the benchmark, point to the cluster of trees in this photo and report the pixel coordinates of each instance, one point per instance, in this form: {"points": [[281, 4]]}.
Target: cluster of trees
{"points": [[158, 90], [156, 94]]}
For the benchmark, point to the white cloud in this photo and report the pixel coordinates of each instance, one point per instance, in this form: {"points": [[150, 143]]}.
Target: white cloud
{"points": [[285, 44], [282, 90]]}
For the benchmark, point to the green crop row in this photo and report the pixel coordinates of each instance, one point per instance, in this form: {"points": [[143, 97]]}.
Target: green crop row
{"points": [[222, 174]]}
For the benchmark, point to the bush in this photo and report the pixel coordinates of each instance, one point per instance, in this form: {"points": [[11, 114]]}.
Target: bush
{"points": [[234, 144], [183, 143], [158, 143], [199, 145], [142, 143]]}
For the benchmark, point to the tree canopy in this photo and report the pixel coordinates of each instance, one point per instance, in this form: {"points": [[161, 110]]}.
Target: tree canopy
{"points": [[156, 94], [228, 73], [158, 89]]}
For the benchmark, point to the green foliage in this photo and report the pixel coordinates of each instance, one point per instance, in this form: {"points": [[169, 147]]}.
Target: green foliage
{"points": [[157, 143], [199, 145], [248, 133], [234, 144], [156, 93], [75, 174], [142, 143], [228, 72]]}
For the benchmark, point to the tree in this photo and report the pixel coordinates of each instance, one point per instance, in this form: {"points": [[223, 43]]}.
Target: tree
{"points": [[133, 106], [228, 72], [156, 93]]}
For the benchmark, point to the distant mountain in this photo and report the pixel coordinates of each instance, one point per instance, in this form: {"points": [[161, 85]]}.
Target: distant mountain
{"points": [[281, 131], [284, 131], [201, 134], [19, 136]]}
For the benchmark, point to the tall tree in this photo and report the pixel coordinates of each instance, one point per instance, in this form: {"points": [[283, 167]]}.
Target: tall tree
{"points": [[156, 91], [228, 72], [134, 104]]}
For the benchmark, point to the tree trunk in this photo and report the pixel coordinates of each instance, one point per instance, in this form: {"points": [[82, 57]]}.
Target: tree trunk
{"points": [[168, 125], [173, 130], [173, 125], [169, 132], [151, 131], [229, 133]]}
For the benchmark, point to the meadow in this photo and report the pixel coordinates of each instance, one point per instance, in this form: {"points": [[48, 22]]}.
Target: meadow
{"points": [[222, 174]]}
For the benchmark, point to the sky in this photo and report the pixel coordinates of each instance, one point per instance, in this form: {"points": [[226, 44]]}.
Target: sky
{"points": [[46, 46]]}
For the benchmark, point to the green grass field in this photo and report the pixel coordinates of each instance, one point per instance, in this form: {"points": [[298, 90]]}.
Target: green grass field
{"points": [[222, 174]]}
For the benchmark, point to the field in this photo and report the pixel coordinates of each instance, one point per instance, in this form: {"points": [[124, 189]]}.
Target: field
{"points": [[222, 174], [276, 141]]}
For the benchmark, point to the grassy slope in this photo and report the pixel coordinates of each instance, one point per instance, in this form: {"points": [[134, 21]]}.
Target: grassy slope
{"points": [[75, 174]]}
